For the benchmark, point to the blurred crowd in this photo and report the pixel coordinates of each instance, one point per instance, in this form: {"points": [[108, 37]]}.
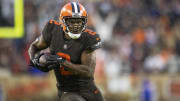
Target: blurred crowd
{"points": [[142, 35], [139, 36]]}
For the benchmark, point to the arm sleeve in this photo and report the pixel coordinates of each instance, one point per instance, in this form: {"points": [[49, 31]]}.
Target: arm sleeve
{"points": [[46, 33], [93, 43]]}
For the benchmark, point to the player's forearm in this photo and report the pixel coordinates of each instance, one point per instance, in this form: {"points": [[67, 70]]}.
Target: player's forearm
{"points": [[32, 51], [38, 45], [80, 68]]}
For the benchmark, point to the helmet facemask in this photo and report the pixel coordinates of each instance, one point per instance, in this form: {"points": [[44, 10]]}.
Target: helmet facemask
{"points": [[75, 26]]}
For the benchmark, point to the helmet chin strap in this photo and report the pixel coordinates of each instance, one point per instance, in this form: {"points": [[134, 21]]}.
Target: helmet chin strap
{"points": [[73, 36]]}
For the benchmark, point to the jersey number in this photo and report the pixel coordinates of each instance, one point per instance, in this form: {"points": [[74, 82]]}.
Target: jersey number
{"points": [[68, 58]]}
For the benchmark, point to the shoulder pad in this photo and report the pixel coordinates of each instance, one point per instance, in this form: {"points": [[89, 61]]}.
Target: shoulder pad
{"points": [[95, 46], [91, 32], [54, 22]]}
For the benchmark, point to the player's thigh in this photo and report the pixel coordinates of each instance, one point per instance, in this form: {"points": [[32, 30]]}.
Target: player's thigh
{"points": [[71, 97]]}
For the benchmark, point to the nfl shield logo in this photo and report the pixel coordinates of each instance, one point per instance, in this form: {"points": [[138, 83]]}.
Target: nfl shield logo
{"points": [[65, 46]]}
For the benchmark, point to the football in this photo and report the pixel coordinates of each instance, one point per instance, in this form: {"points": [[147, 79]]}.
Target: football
{"points": [[42, 59]]}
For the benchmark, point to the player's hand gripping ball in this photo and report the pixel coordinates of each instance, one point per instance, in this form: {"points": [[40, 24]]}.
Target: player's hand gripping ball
{"points": [[51, 61]]}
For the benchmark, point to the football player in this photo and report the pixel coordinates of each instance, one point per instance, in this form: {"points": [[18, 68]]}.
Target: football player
{"points": [[72, 54]]}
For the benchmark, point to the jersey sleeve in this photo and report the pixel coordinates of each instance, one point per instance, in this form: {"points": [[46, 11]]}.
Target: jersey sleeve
{"points": [[93, 42], [46, 33]]}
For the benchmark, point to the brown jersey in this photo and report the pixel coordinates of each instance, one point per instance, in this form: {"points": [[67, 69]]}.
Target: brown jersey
{"points": [[71, 50]]}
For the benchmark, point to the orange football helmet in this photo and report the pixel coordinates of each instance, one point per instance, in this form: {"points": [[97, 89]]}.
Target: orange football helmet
{"points": [[74, 19]]}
